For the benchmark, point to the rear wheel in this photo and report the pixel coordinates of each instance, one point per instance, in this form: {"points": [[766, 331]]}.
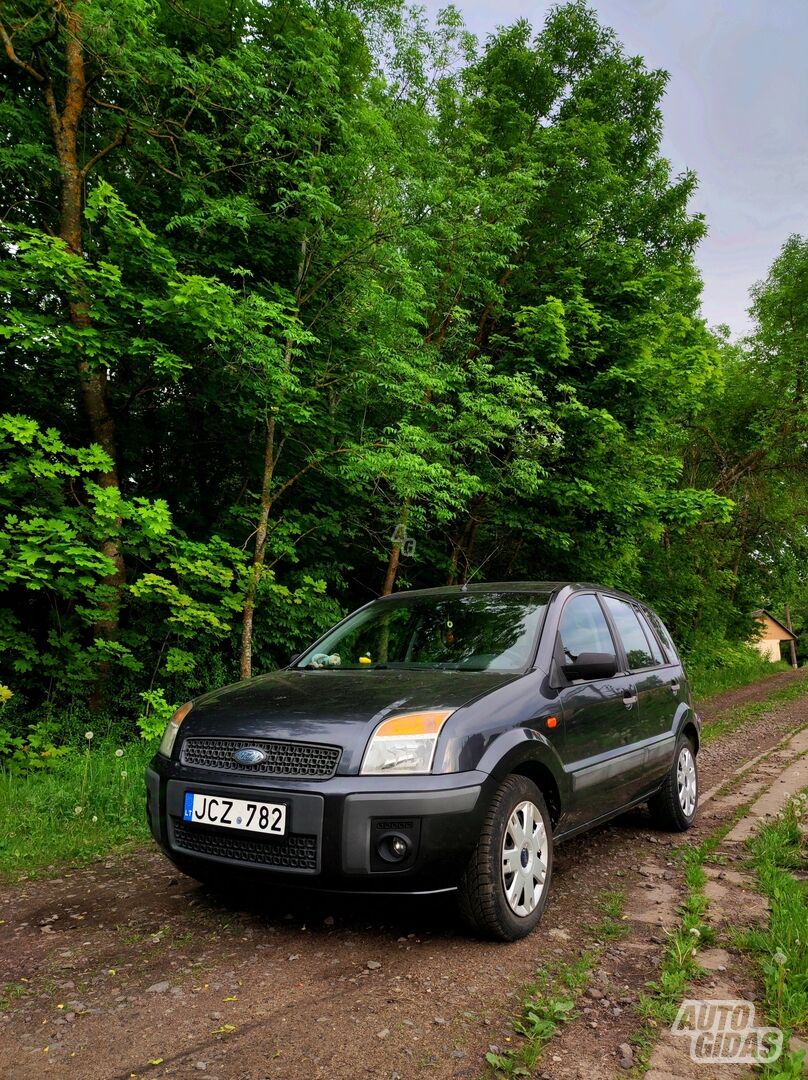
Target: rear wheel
{"points": [[504, 889], [674, 805]]}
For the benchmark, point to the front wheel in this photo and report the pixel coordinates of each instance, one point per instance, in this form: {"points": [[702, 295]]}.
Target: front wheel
{"points": [[504, 889], [674, 805]]}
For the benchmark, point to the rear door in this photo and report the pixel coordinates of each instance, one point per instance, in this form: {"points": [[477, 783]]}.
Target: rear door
{"points": [[600, 715], [656, 684]]}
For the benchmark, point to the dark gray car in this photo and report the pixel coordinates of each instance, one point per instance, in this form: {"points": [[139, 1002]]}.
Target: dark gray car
{"points": [[434, 740]]}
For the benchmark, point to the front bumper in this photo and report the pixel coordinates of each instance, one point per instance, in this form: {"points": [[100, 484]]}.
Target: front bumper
{"points": [[337, 832]]}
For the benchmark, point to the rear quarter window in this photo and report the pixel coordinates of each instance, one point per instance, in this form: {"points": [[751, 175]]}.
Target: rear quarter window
{"points": [[653, 642], [663, 636]]}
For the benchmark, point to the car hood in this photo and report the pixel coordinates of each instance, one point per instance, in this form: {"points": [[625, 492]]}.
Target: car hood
{"points": [[339, 708]]}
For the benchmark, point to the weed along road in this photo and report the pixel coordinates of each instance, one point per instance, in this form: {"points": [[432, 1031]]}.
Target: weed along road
{"points": [[125, 968]]}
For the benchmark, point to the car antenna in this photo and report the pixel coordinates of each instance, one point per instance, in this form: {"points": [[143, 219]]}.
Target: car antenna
{"points": [[465, 584]]}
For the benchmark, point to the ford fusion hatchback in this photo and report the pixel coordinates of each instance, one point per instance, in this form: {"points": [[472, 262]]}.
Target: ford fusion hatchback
{"points": [[444, 739]]}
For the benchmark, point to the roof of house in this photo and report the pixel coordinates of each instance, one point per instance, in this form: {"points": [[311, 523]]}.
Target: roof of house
{"points": [[762, 612]]}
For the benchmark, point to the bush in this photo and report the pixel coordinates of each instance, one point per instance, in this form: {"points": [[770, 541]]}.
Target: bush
{"points": [[717, 666], [22, 754], [85, 804]]}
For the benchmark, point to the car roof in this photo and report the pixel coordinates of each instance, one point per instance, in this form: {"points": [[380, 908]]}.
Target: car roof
{"points": [[549, 588]]}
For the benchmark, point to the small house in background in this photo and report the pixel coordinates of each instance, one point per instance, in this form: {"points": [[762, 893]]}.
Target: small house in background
{"points": [[772, 632]]}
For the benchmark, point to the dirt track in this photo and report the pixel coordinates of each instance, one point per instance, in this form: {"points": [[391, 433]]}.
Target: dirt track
{"points": [[127, 969]]}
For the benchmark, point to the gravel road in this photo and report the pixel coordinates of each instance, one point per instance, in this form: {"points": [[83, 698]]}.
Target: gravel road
{"points": [[126, 969]]}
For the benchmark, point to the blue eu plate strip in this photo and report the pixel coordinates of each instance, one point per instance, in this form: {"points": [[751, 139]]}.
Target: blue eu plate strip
{"points": [[189, 806]]}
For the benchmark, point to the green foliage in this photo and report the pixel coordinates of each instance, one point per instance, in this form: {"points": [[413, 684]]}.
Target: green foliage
{"points": [[52, 520], [87, 804], [717, 665], [339, 272], [152, 722], [612, 926], [782, 946], [791, 1066], [547, 1003], [36, 750]]}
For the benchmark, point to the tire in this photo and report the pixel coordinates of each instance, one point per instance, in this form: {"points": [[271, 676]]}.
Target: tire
{"points": [[674, 806], [484, 889]]}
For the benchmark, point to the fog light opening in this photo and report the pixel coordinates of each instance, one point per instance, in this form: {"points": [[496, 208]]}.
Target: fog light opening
{"points": [[393, 847]]}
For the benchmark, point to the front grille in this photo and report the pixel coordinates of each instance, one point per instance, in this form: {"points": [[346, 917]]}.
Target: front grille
{"points": [[294, 852], [303, 760]]}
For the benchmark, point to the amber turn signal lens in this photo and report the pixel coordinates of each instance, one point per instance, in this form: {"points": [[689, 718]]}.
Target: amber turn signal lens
{"points": [[552, 721], [421, 723], [172, 727]]}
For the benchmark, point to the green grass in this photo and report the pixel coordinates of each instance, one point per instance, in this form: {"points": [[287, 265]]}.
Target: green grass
{"points": [[547, 1003], [10, 991], [660, 1002], [612, 927], [781, 947], [679, 966], [549, 1000], [707, 679], [83, 806], [776, 849], [736, 718]]}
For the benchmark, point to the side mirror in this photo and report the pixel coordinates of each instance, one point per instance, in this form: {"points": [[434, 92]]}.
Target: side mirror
{"points": [[591, 665], [292, 659]]}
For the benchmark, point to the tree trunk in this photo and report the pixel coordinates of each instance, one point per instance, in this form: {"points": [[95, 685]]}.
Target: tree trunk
{"points": [[454, 560], [259, 556], [93, 381], [395, 551], [464, 543], [271, 456], [792, 644]]}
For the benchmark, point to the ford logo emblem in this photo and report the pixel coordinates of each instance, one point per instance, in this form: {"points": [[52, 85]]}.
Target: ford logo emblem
{"points": [[249, 755]]}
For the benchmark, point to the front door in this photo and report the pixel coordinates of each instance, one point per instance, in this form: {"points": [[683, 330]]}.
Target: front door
{"points": [[601, 717]]}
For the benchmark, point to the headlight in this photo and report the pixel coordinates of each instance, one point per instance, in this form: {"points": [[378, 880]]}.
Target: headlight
{"points": [[172, 727], [405, 744]]}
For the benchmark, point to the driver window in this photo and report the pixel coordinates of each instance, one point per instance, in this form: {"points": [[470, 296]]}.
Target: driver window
{"points": [[583, 628]]}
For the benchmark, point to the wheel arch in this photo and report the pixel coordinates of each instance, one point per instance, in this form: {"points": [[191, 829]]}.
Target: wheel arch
{"points": [[544, 780], [524, 752], [689, 724], [692, 732]]}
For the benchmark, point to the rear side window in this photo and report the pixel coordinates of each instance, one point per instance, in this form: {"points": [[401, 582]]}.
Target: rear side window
{"points": [[663, 635], [583, 628], [638, 651], [656, 651]]}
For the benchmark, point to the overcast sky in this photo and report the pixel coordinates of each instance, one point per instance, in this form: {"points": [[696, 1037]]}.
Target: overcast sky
{"points": [[736, 112]]}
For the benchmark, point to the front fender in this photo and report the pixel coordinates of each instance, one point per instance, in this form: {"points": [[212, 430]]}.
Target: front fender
{"points": [[513, 750]]}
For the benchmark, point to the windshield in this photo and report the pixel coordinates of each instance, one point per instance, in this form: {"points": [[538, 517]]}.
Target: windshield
{"points": [[463, 632]]}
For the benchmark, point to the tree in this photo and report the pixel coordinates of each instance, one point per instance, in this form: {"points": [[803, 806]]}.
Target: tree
{"points": [[749, 445], [287, 286]]}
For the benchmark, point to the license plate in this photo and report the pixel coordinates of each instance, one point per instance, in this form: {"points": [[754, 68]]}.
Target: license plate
{"points": [[260, 817]]}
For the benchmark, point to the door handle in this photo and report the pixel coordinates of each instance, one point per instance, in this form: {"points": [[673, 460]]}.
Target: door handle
{"points": [[630, 698], [674, 686]]}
